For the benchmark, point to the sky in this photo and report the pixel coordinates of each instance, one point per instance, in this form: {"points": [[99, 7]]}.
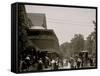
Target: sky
{"points": [[66, 21]]}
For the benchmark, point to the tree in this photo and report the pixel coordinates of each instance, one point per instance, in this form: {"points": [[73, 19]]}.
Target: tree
{"points": [[91, 41], [66, 49], [77, 43], [24, 23]]}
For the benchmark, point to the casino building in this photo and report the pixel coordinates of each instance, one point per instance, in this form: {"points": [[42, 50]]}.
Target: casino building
{"points": [[44, 40]]}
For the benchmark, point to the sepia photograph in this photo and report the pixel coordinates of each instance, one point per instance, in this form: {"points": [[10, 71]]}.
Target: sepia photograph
{"points": [[53, 38]]}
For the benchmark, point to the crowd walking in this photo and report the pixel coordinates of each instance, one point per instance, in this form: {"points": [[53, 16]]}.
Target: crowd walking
{"points": [[40, 61]]}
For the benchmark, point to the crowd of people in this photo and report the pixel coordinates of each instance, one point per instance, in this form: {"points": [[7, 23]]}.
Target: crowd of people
{"points": [[36, 61]]}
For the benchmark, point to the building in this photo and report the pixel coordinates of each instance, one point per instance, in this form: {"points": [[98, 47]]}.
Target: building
{"points": [[44, 40]]}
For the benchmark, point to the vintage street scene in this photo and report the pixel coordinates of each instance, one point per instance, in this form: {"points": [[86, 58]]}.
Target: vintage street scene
{"points": [[55, 38]]}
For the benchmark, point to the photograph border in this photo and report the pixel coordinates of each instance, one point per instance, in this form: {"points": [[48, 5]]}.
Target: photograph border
{"points": [[51, 5]]}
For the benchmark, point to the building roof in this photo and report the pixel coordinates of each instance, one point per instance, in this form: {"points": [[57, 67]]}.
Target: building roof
{"points": [[37, 19]]}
